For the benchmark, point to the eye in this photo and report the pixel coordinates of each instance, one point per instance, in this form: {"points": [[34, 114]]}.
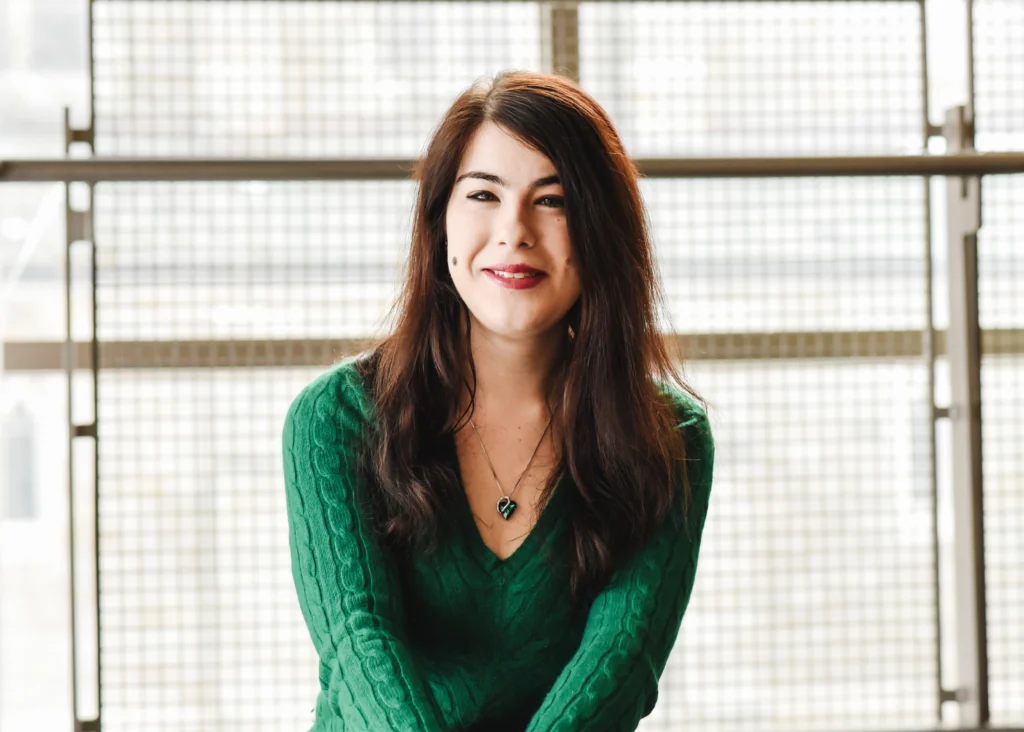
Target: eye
{"points": [[552, 201], [548, 201]]}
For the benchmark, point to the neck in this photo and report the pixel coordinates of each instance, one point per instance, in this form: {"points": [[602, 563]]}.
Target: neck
{"points": [[514, 376]]}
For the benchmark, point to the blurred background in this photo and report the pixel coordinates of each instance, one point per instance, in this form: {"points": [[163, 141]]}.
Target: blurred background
{"points": [[837, 582]]}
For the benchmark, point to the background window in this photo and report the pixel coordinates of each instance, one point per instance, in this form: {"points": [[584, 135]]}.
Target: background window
{"points": [[21, 501]]}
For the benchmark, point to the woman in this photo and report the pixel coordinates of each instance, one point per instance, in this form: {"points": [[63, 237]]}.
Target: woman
{"points": [[495, 514]]}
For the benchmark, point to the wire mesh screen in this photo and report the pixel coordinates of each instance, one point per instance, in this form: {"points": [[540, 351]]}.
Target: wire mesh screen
{"points": [[999, 115], [197, 621], [744, 78], [815, 603], [293, 78], [197, 603], [251, 260]]}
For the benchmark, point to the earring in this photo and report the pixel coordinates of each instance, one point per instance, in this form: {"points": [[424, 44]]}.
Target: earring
{"points": [[572, 333]]}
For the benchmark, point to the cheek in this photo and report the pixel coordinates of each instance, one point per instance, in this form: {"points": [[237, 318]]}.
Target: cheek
{"points": [[455, 230], [574, 278], [460, 253], [464, 229]]}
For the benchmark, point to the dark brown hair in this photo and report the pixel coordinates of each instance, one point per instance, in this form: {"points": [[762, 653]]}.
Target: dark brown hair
{"points": [[621, 448]]}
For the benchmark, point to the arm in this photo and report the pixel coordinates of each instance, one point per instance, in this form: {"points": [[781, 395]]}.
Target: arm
{"points": [[612, 680], [347, 587]]}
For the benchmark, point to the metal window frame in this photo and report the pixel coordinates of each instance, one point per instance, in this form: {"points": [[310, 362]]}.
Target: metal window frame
{"points": [[962, 167]]}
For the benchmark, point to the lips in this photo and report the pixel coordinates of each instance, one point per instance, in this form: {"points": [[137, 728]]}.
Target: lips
{"points": [[515, 269], [517, 281]]}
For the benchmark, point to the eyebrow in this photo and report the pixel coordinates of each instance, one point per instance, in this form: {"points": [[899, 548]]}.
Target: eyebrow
{"points": [[498, 180]]}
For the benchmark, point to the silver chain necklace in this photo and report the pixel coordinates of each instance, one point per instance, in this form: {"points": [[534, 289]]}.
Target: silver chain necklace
{"points": [[506, 505]]}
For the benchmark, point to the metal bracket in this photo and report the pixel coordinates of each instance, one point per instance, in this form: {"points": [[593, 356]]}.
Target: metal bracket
{"points": [[76, 134], [959, 133], [84, 430], [79, 225], [959, 696], [940, 130]]}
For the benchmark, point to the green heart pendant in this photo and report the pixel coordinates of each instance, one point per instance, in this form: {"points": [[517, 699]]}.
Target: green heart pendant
{"points": [[505, 507]]}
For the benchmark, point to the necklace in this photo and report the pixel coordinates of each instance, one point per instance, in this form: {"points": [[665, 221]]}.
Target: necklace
{"points": [[506, 505]]}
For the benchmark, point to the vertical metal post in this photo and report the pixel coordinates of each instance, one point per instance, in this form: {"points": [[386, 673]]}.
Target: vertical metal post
{"points": [[79, 228], [929, 353], [560, 44], [88, 136], [963, 347], [68, 358]]}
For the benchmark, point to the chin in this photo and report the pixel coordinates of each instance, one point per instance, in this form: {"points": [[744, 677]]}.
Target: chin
{"points": [[521, 331]]}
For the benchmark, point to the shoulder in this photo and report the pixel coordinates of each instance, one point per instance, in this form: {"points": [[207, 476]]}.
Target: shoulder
{"points": [[692, 420], [691, 416], [336, 398]]}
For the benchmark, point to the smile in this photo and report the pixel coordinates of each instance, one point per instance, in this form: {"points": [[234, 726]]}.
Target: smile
{"points": [[517, 281]]}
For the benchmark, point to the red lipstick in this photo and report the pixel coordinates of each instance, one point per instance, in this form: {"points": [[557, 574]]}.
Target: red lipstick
{"points": [[516, 276]]}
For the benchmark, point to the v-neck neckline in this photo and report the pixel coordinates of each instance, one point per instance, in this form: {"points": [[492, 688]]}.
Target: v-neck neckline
{"points": [[488, 560]]}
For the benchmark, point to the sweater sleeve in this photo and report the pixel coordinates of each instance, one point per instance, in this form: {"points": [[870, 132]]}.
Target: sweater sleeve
{"points": [[347, 587], [611, 682]]}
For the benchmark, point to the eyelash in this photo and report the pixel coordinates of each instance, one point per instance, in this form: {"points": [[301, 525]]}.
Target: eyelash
{"points": [[559, 201]]}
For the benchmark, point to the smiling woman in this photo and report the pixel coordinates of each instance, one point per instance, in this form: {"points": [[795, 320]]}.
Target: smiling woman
{"points": [[496, 513], [509, 228]]}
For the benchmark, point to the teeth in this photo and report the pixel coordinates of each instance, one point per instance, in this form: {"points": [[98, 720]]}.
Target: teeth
{"points": [[510, 276]]}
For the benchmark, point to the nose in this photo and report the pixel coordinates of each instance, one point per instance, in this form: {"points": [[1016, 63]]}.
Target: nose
{"points": [[515, 228]]}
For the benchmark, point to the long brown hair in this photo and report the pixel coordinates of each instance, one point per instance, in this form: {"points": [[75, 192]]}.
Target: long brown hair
{"points": [[620, 448]]}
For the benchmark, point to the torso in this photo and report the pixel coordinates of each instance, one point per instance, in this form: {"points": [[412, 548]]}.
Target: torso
{"points": [[509, 446]]}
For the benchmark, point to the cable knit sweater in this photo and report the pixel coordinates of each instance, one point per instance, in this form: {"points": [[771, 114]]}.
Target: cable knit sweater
{"points": [[464, 640]]}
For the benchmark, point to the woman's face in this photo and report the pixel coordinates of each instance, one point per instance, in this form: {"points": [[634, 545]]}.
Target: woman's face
{"points": [[506, 208]]}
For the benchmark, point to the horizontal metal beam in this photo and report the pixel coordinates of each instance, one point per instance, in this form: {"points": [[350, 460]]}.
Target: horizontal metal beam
{"points": [[124, 169], [626, 2], [960, 164], [49, 355]]}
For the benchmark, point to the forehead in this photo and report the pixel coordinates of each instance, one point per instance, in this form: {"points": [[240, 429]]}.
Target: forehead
{"points": [[492, 149]]}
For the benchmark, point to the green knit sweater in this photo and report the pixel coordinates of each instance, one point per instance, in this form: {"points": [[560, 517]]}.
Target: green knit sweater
{"points": [[463, 640]]}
